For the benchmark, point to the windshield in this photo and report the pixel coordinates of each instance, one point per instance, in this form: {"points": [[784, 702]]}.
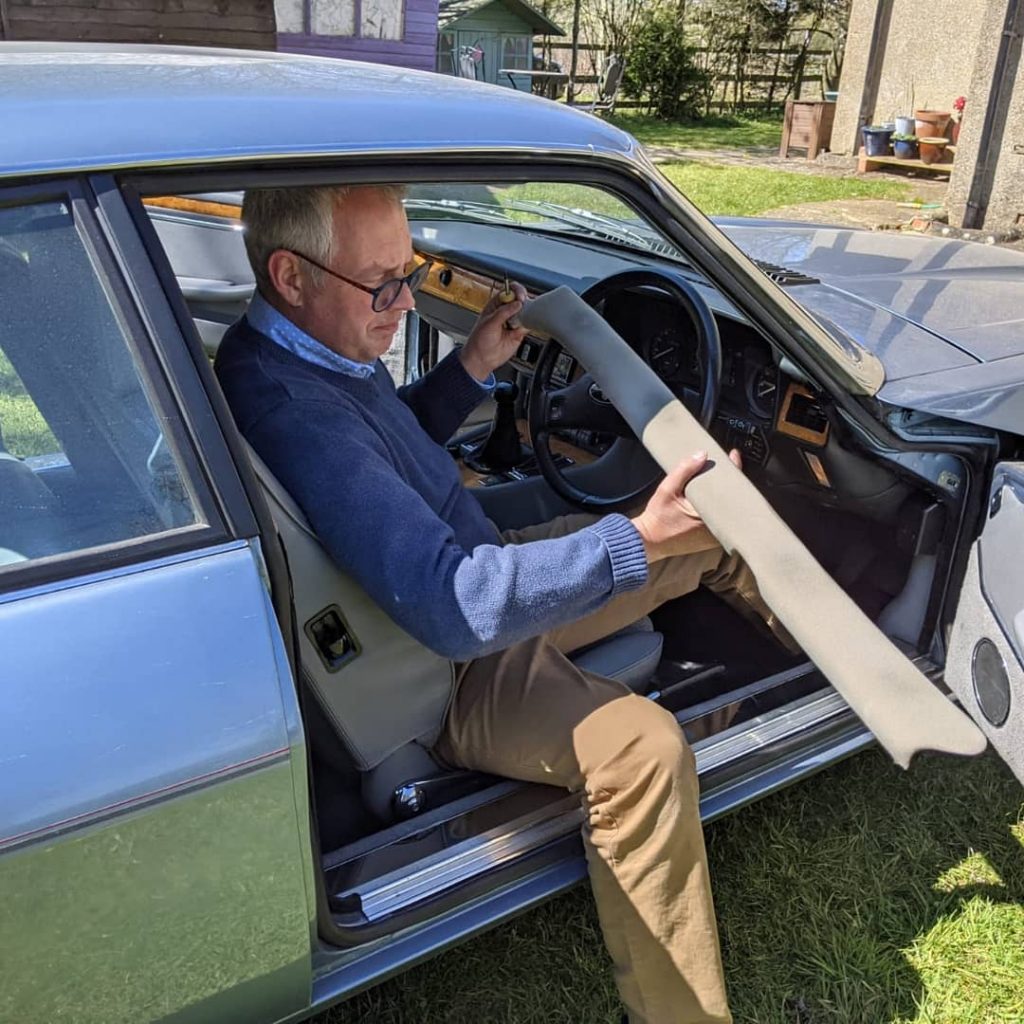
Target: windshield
{"points": [[542, 207]]}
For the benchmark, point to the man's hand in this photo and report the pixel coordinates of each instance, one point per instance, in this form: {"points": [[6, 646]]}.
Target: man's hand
{"points": [[492, 342], [670, 525]]}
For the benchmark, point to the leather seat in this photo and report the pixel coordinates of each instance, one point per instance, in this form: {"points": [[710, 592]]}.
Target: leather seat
{"points": [[28, 523], [360, 667]]}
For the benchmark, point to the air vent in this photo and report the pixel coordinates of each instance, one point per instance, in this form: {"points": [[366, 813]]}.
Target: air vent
{"points": [[781, 275]]}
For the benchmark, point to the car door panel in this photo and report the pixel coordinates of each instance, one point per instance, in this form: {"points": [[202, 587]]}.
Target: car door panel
{"points": [[152, 852], [985, 664], [155, 857]]}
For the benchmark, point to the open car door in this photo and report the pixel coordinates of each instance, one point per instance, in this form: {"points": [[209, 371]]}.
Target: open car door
{"points": [[903, 709], [985, 665]]}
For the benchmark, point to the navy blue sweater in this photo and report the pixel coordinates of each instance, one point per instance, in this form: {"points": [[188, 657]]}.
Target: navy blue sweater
{"points": [[367, 466]]}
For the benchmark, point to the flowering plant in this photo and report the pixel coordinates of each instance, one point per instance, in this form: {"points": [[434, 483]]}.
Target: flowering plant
{"points": [[958, 106]]}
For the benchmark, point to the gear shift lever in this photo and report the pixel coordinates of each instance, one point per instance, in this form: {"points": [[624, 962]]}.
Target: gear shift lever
{"points": [[503, 450]]}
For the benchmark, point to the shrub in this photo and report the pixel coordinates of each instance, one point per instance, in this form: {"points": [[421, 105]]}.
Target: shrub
{"points": [[660, 68]]}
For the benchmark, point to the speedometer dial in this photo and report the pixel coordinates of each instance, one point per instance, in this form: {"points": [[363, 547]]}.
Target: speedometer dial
{"points": [[762, 385], [665, 353]]}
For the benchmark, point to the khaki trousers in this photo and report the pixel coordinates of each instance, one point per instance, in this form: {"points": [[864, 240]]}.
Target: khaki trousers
{"points": [[528, 713]]}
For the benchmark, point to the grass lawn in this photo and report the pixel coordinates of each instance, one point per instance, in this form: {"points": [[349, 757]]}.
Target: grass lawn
{"points": [[711, 133], [864, 895], [24, 430], [749, 191]]}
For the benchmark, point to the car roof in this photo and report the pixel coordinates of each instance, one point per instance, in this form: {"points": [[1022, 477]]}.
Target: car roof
{"points": [[70, 107]]}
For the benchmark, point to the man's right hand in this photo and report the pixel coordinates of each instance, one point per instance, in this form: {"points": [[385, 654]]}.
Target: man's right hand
{"points": [[670, 525]]}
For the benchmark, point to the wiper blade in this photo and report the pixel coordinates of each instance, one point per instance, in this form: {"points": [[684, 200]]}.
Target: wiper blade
{"points": [[595, 225]]}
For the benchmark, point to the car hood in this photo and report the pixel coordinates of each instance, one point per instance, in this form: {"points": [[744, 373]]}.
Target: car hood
{"points": [[937, 313]]}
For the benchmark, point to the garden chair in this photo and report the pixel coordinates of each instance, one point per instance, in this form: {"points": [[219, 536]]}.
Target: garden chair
{"points": [[608, 84]]}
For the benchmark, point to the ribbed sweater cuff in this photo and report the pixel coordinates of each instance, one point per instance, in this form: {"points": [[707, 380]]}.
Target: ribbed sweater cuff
{"points": [[459, 385], [626, 551]]}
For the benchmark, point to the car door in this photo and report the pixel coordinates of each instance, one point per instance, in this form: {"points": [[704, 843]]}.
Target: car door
{"points": [[154, 849], [985, 664]]}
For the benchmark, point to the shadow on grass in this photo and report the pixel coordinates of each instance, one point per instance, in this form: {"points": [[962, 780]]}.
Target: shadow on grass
{"points": [[869, 895]]}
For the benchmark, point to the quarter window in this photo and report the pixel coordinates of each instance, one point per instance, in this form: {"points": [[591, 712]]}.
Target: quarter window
{"points": [[84, 461]]}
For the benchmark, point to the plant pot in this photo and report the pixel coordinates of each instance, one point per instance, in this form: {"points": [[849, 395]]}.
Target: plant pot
{"points": [[905, 149], [931, 123], [932, 150], [904, 125], [876, 139], [954, 132]]}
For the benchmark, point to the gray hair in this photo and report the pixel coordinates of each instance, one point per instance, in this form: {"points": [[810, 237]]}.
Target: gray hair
{"points": [[299, 219]]}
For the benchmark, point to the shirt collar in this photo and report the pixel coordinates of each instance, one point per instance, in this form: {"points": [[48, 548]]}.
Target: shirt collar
{"points": [[263, 317]]}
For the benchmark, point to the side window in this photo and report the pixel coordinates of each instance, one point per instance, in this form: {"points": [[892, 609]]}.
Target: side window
{"points": [[84, 462]]}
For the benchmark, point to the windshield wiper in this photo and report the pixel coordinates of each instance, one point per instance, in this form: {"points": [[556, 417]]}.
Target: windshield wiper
{"points": [[594, 225]]}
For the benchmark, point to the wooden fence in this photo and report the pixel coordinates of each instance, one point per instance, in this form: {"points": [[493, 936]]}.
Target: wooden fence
{"points": [[769, 74]]}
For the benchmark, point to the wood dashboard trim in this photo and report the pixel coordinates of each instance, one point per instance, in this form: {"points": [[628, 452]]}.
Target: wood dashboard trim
{"points": [[784, 426]]}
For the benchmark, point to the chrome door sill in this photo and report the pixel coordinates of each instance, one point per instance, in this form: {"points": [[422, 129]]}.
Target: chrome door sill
{"points": [[734, 766]]}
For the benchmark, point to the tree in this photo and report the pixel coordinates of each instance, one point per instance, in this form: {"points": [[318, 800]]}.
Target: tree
{"points": [[660, 66]]}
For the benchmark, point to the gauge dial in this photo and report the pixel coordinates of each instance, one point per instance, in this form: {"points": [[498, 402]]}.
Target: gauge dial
{"points": [[762, 387], [665, 354]]}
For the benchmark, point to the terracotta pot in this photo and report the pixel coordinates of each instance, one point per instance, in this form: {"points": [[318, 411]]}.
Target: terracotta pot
{"points": [[932, 150], [954, 132], [931, 122]]}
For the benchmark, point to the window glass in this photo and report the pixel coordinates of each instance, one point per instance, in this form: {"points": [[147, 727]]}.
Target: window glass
{"points": [[446, 54], [515, 52], [548, 207], [83, 459], [333, 17], [381, 19]]}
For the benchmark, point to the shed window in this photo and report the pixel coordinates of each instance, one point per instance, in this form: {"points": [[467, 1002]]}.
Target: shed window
{"points": [[382, 19], [515, 52], [446, 53], [332, 17]]}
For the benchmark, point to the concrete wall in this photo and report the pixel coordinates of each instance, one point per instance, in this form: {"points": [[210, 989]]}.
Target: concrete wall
{"points": [[1006, 202], [927, 60]]}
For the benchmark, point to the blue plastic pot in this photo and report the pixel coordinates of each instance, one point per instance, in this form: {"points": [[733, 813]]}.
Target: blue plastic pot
{"points": [[876, 139], [905, 150]]}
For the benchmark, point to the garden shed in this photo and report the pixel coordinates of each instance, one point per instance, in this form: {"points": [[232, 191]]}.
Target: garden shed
{"points": [[477, 38]]}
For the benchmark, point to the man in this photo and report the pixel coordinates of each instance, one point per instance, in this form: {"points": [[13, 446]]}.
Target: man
{"points": [[367, 465]]}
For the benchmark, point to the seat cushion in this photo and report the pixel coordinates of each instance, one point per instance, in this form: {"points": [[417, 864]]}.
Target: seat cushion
{"points": [[630, 657]]}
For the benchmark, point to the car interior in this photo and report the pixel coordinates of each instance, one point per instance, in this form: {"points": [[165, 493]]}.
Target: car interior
{"points": [[546, 443]]}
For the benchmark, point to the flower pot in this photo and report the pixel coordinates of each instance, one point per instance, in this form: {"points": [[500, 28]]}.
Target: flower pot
{"points": [[905, 149], [876, 139], [932, 150], [931, 123], [904, 125], [954, 132]]}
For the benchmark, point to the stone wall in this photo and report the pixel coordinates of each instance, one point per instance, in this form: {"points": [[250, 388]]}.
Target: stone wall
{"points": [[1006, 201], [927, 61]]}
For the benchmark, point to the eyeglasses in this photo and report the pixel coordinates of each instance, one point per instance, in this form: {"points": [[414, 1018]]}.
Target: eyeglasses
{"points": [[384, 295]]}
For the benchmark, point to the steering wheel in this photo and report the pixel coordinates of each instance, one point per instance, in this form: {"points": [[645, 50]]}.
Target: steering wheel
{"points": [[582, 405]]}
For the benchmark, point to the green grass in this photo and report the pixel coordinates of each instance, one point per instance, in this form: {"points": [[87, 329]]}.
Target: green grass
{"points": [[24, 430], [710, 133], [749, 191], [864, 895]]}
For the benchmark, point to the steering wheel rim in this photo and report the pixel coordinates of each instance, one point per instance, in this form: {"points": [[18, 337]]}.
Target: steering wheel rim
{"points": [[544, 416]]}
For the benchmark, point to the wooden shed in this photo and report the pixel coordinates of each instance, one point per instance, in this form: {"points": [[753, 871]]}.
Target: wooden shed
{"points": [[476, 38], [401, 32], [236, 23]]}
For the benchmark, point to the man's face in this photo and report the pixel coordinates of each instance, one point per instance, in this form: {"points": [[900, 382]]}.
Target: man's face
{"points": [[371, 245]]}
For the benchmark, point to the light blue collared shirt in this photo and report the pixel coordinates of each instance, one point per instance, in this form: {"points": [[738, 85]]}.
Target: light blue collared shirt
{"points": [[275, 325], [263, 317]]}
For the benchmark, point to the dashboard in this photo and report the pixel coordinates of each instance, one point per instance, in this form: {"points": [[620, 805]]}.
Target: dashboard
{"points": [[759, 402]]}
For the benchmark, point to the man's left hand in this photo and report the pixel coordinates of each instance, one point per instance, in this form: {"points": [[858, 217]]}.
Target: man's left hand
{"points": [[492, 342]]}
